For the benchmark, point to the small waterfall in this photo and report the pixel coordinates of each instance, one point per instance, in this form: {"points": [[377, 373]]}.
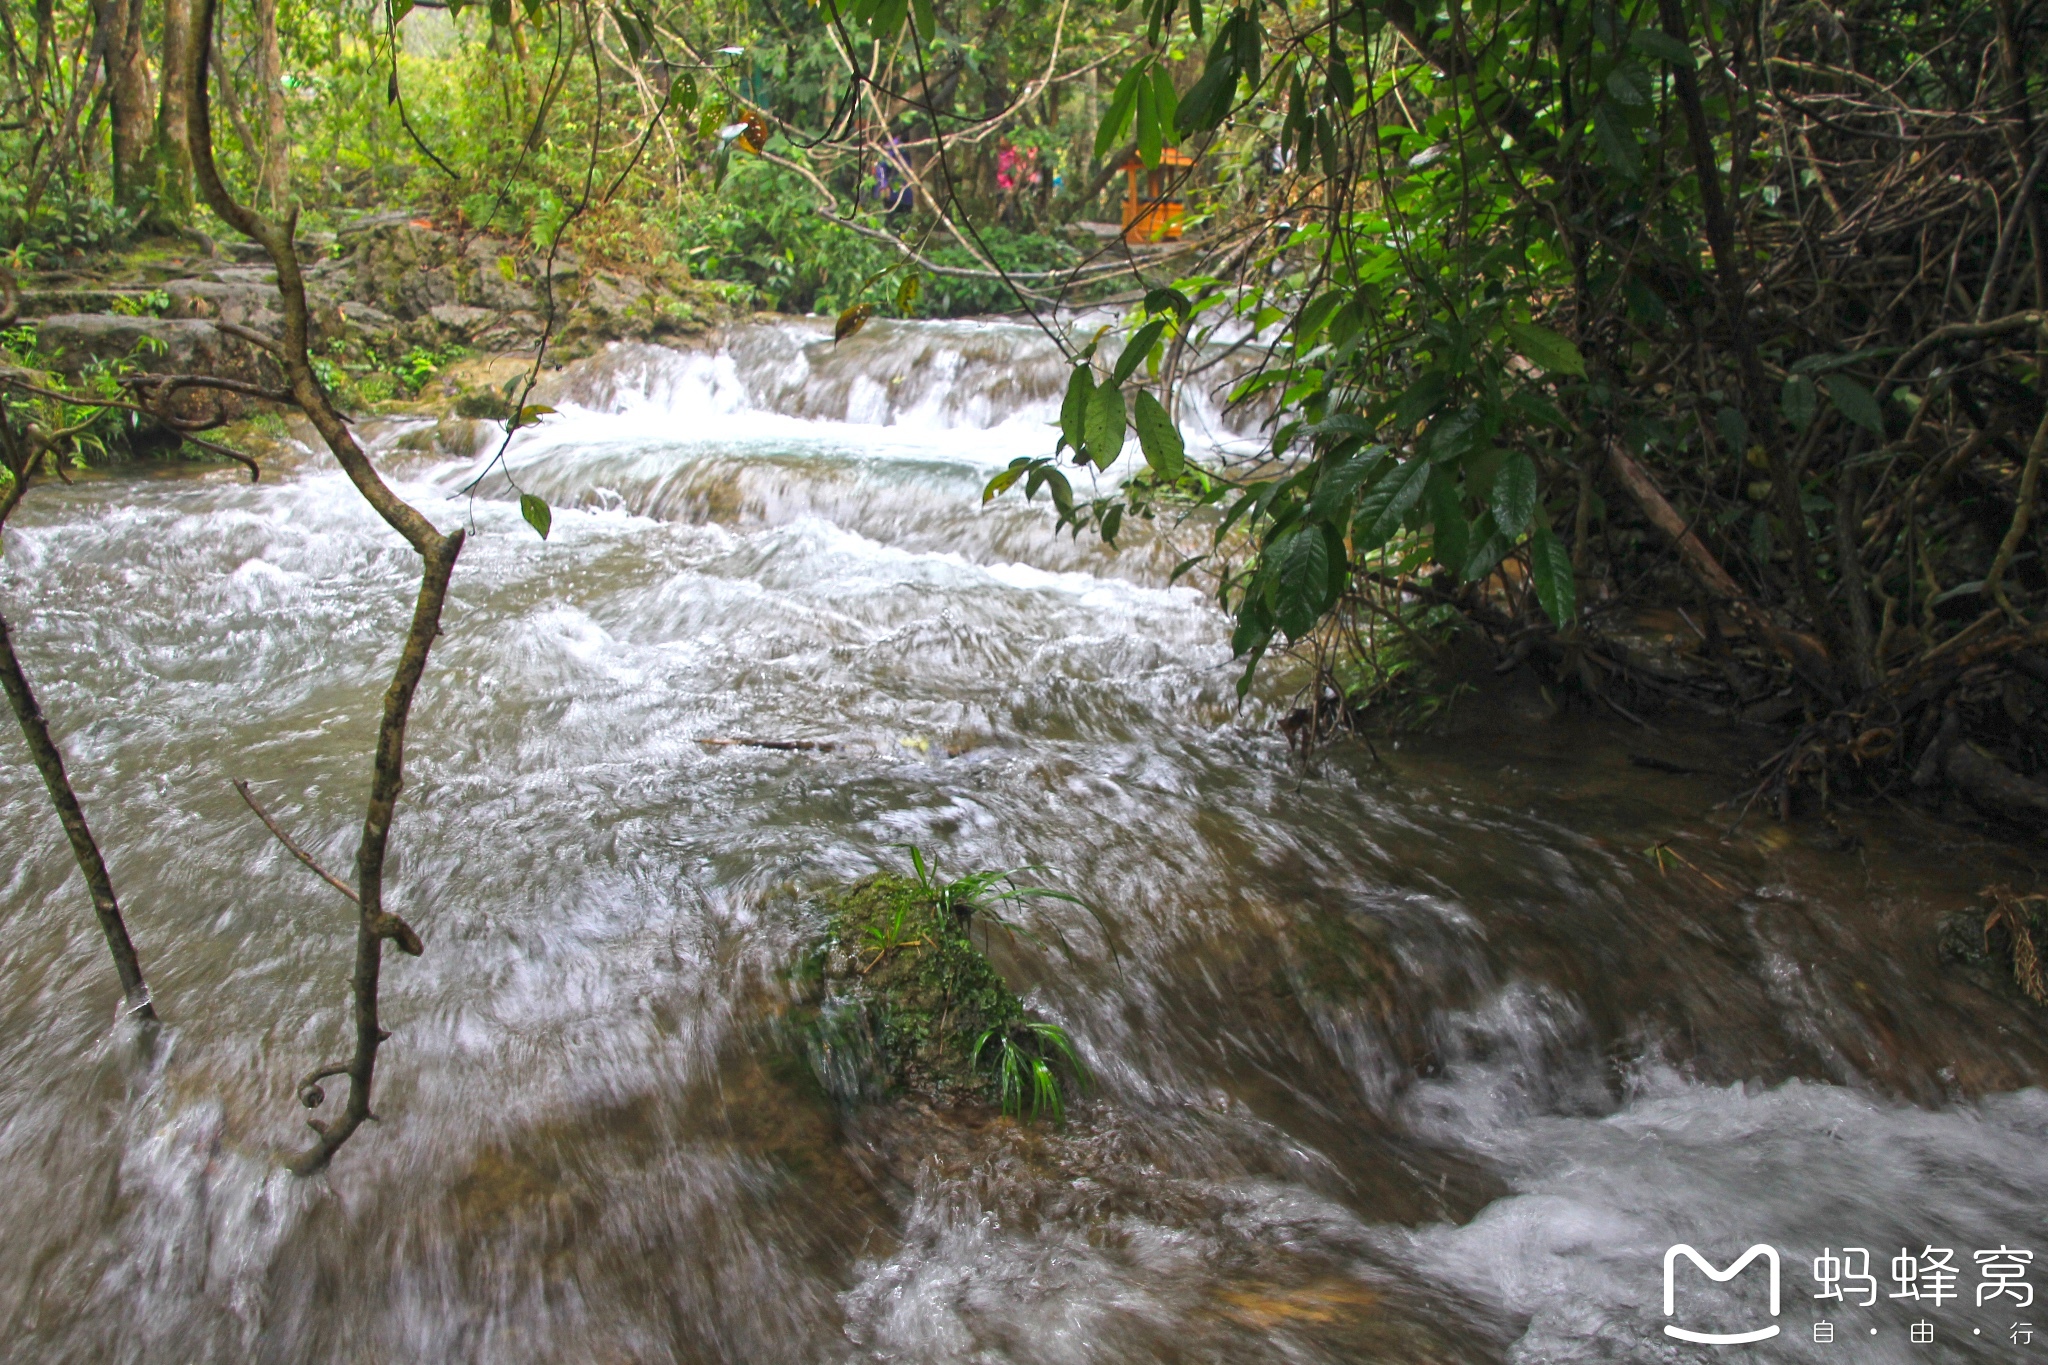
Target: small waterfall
{"points": [[890, 434]]}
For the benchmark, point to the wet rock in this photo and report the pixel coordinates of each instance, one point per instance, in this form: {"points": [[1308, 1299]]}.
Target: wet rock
{"points": [[365, 317], [161, 346], [460, 321]]}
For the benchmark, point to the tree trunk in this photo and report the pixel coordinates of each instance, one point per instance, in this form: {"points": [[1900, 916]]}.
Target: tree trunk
{"points": [[128, 102], [274, 180], [173, 151]]}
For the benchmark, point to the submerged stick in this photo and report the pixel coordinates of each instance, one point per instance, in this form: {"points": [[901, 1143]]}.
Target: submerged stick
{"points": [[50, 762], [823, 746], [261, 814]]}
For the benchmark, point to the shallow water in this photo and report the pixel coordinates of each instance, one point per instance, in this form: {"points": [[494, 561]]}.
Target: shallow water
{"points": [[1407, 1056]]}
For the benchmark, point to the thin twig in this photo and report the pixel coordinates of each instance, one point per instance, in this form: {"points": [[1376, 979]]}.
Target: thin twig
{"points": [[261, 814]]}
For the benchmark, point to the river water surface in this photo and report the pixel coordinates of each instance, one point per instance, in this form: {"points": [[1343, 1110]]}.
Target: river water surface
{"points": [[1409, 1055]]}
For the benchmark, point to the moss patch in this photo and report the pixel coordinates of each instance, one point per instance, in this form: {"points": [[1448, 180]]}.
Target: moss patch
{"points": [[901, 996]]}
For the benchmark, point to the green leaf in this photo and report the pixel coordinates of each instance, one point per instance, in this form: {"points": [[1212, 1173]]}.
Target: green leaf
{"points": [[1656, 43], [1799, 402], [1339, 483], [1245, 39], [399, 9], [1062, 492], [1310, 322], [1151, 137], [1252, 494], [1458, 436], [1074, 408], [1545, 349], [1490, 546], [1630, 83], [1301, 588], [536, 513], [1386, 502], [629, 29], [1734, 430], [1112, 522], [1422, 398], [1854, 402], [1135, 350], [1165, 105], [1551, 564], [1105, 426], [1161, 299], [1450, 533], [927, 22], [1122, 101], [907, 292], [888, 20], [1005, 479], [1207, 103], [1343, 90], [1182, 568], [1821, 364], [1326, 143], [1617, 141], [1164, 450], [1514, 494]]}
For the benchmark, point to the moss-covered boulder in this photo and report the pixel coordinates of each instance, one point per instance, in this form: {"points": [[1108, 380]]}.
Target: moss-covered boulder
{"points": [[900, 1002]]}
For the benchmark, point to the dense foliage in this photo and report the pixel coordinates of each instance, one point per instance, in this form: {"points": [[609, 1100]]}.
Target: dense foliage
{"points": [[1553, 310]]}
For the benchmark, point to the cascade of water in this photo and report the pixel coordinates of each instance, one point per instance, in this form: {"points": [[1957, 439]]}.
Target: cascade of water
{"points": [[1405, 1061]]}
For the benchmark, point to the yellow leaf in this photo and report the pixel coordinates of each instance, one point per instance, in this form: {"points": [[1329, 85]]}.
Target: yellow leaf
{"points": [[851, 321]]}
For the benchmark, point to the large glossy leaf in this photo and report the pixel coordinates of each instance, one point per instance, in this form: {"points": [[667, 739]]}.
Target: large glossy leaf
{"points": [[1122, 103], [1135, 350], [537, 513], [1514, 493], [1450, 533], [1854, 402], [1661, 45], [1164, 450], [1386, 502], [1799, 402], [1207, 104], [1617, 141], [1106, 426], [1165, 105], [1545, 349], [1340, 482], [1301, 589], [1630, 83], [1074, 408], [1551, 565], [1422, 398], [1151, 136]]}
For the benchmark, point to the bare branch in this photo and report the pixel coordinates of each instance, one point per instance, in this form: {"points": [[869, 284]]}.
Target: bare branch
{"points": [[241, 785]]}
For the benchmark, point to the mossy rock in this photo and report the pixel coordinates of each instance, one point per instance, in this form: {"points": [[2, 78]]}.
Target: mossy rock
{"points": [[899, 998]]}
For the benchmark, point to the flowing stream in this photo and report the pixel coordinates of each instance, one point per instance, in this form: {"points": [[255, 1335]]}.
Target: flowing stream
{"points": [[1408, 1055]]}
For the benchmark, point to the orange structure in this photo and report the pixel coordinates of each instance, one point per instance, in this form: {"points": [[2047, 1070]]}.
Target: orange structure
{"points": [[1151, 212]]}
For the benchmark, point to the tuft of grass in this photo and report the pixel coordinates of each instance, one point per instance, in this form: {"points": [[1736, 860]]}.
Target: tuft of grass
{"points": [[903, 1003], [975, 894], [1024, 1054]]}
